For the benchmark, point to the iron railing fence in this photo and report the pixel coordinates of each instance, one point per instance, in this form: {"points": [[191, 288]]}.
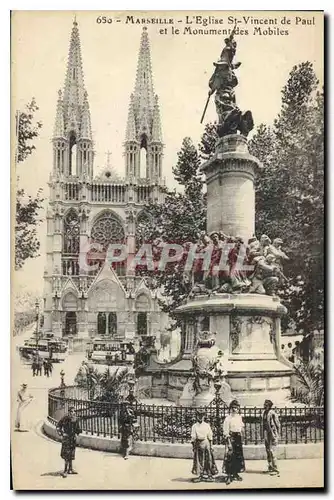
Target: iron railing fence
{"points": [[172, 424]]}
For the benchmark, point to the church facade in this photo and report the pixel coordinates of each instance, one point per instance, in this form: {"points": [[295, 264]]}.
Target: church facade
{"points": [[88, 212]]}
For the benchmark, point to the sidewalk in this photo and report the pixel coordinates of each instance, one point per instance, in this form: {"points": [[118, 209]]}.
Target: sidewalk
{"points": [[37, 463]]}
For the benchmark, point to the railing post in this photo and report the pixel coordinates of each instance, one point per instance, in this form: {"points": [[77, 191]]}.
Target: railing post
{"points": [[217, 386], [62, 384]]}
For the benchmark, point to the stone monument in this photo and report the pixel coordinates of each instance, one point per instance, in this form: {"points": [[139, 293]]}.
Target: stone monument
{"points": [[239, 303]]}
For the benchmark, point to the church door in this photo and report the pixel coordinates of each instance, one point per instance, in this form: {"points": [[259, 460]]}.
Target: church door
{"points": [[142, 323], [71, 323]]}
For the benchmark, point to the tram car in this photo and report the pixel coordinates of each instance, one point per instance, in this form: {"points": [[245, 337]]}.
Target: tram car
{"points": [[112, 351], [52, 348]]}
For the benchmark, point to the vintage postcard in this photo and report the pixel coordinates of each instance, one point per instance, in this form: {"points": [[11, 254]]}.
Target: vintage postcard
{"points": [[168, 221]]}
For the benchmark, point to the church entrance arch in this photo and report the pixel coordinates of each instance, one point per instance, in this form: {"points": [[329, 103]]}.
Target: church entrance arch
{"points": [[70, 323], [70, 308], [142, 306]]}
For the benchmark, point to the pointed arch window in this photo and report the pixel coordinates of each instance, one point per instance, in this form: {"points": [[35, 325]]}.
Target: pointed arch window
{"points": [[72, 161], [112, 323], [71, 240], [71, 244]]}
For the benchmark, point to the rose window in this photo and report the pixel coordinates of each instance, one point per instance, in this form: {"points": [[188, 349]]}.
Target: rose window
{"points": [[107, 230]]}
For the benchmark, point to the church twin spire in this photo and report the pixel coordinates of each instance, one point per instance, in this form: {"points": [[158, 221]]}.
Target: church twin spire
{"points": [[144, 125], [73, 122], [72, 138]]}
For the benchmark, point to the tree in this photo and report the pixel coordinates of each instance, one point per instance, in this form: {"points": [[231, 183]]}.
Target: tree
{"points": [[27, 207], [289, 193], [28, 130], [106, 386], [178, 220], [310, 383]]}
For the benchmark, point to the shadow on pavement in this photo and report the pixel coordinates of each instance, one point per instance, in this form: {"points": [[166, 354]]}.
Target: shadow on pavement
{"points": [[53, 474]]}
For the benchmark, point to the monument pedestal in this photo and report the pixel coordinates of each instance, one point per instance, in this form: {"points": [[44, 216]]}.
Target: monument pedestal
{"points": [[247, 329]]}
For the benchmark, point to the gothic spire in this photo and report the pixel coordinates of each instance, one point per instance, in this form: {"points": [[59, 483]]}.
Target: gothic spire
{"points": [[131, 124], [143, 125], [156, 127], [72, 139], [74, 89], [86, 130], [143, 100], [144, 93], [59, 128]]}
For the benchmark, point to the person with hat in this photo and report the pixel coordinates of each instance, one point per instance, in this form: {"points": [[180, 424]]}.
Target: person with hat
{"points": [[127, 423], [68, 427], [23, 400], [265, 242], [233, 429], [204, 465], [271, 433]]}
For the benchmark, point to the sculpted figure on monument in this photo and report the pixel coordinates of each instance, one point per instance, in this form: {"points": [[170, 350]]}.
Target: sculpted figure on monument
{"points": [[265, 277], [220, 367], [199, 274], [204, 362], [223, 81], [213, 279], [276, 250], [265, 242], [238, 278]]}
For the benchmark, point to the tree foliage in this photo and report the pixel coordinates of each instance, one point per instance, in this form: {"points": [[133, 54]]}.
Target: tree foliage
{"points": [[27, 207], [178, 220], [310, 383], [28, 130], [289, 192], [108, 385]]}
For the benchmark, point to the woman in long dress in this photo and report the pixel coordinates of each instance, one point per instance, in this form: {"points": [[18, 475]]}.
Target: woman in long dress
{"points": [[204, 465], [233, 429], [68, 428]]}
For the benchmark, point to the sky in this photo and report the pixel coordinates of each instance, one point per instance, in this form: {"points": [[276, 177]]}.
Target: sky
{"points": [[182, 65]]}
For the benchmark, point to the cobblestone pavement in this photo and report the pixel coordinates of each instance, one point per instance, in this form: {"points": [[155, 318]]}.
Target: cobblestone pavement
{"points": [[37, 463]]}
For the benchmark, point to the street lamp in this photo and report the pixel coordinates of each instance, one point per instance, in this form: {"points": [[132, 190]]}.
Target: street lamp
{"points": [[37, 320]]}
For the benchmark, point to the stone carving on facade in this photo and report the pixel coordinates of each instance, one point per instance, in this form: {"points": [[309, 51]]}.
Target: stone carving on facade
{"points": [[130, 215], [223, 81], [252, 335], [235, 332], [84, 212], [56, 285], [83, 285]]}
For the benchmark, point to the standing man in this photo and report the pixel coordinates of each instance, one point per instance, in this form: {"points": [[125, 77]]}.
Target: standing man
{"points": [[23, 400], [45, 367], [271, 433], [127, 420]]}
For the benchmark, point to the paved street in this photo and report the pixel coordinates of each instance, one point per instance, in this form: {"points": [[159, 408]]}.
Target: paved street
{"points": [[37, 463]]}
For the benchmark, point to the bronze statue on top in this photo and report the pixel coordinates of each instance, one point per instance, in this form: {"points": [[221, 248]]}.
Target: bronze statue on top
{"points": [[223, 81]]}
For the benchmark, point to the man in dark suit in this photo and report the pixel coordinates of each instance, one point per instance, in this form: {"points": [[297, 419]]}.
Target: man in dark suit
{"points": [[271, 433]]}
